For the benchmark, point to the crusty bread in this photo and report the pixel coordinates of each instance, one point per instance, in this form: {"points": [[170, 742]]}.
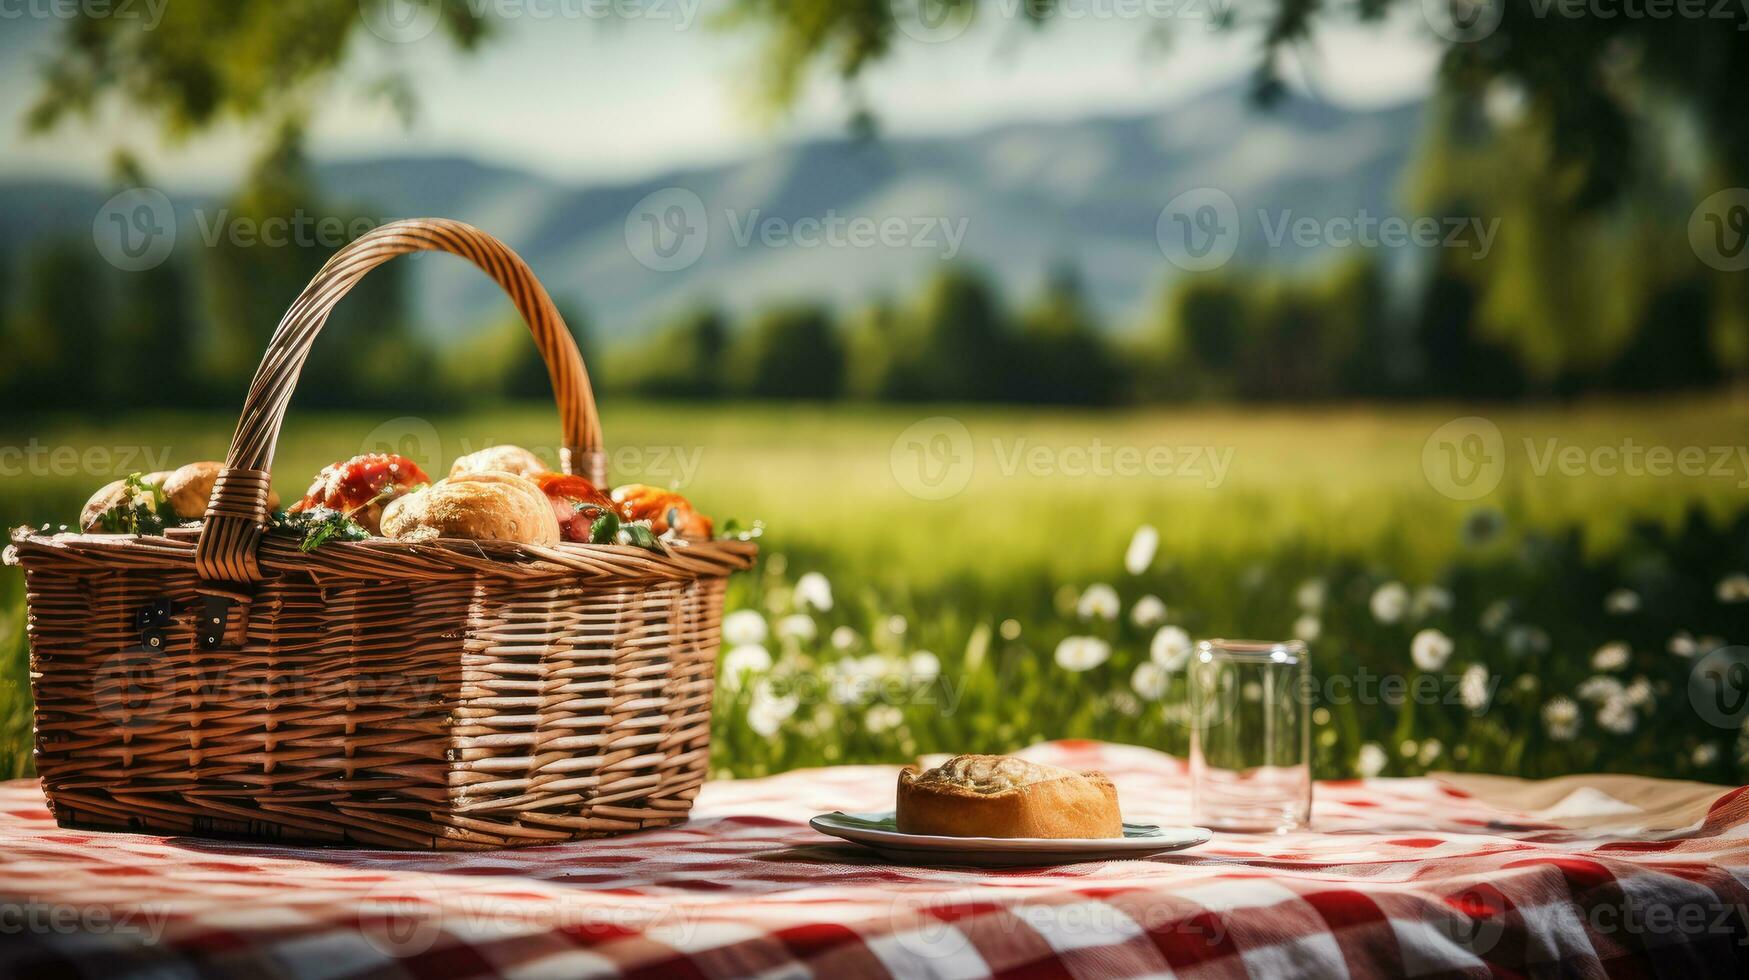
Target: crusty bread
{"points": [[501, 459], [117, 495], [480, 506], [1001, 796], [190, 487]]}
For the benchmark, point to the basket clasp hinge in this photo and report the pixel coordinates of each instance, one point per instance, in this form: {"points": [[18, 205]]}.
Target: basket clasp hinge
{"points": [[215, 615]]}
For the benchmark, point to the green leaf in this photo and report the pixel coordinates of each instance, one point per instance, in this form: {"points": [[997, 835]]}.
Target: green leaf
{"points": [[140, 512], [318, 526], [638, 533], [605, 530]]}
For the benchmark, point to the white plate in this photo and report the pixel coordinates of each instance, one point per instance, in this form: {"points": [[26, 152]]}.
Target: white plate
{"points": [[880, 831]]}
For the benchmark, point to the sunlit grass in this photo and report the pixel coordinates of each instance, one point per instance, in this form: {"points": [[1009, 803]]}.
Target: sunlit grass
{"points": [[1303, 491]]}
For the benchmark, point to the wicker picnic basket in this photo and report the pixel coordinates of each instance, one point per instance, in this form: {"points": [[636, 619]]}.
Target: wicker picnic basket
{"points": [[218, 681]]}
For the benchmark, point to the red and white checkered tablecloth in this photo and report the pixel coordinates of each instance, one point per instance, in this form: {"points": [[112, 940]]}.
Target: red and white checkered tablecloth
{"points": [[1400, 877]]}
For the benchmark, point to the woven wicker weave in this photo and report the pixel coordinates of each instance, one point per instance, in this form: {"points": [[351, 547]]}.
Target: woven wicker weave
{"points": [[454, 694]]}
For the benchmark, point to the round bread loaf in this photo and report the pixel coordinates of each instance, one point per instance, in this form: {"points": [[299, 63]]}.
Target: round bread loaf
{"points": [[188, 489], [478, 506], [118, 496], [1001, 796], [501, 459]]}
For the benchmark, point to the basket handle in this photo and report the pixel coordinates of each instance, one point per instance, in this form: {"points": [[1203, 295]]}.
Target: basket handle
{"points": [[236, 515]]}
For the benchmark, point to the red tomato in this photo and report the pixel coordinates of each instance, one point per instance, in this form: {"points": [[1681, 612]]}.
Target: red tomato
{"points": [[576, 503], [362, 486]]}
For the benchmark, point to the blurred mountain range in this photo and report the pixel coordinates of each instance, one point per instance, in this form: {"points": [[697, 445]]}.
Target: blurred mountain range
{"points": [[844, 221]]}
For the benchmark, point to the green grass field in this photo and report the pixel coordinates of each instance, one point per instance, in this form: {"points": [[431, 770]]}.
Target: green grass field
{"points": [[1249, 504]]}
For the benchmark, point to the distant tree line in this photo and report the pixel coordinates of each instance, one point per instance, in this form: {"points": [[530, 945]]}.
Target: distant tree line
{"points": [[78, 335]]}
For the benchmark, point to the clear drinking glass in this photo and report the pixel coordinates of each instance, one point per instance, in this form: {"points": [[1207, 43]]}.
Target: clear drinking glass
{"points": [[1250, 735]]}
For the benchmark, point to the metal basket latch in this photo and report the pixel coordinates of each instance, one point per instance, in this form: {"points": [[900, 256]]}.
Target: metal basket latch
{"points": [[151, 620], [215, 614]]}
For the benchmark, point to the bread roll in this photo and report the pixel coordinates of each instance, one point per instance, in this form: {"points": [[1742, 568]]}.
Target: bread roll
{"points": [[118, 496], [478, 506], [501, 459], [1001, 796], [189, 488]]}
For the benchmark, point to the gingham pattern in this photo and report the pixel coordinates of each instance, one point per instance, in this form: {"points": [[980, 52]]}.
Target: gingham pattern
{"points": [[1401, 877]]}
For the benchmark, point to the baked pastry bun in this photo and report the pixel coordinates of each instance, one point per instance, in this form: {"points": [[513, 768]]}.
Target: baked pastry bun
{"points": [[664, 509], [479, 506], [1001, 796], [501, 459], [189, 488], [109, 508], [361, 487]]}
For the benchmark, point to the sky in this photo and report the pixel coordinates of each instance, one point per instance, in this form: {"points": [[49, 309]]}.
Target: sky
{"points": [[562, 92]]}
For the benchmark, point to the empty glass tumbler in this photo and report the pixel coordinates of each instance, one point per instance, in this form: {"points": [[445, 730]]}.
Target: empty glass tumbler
{"points": [[1250, 735]]}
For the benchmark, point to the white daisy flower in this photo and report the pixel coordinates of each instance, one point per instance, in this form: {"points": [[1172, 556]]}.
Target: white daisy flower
{"points": [[1149, 680], [799, 627], [1430, 649], [1372, 760], [1430, 751], [767, 712], [924, 666], [1494, 617], [1616, 715], [1148, 612], [743, 661], [1734, 588], [1621, 602], [1599, 689], [883, 718], [1639, 693], [1611, 657], [1430, 599], [1308, 628], [844, 638], [897, 625], [1561, 718], [1079, 653], [1473, 688], [1170, 648], [1100, 601], [1124, 703], [1705, 754], [1140, 553], [1389, 602], [1683, 645], [743, 626], [814, 592], [1310, 595]]}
